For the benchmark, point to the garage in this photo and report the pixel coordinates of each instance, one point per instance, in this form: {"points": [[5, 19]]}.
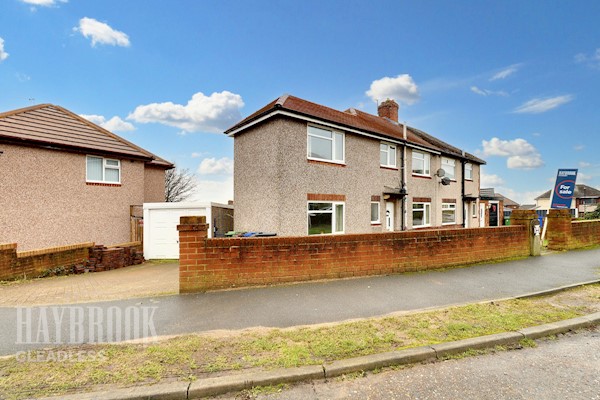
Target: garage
{"points": [[161, 239]]}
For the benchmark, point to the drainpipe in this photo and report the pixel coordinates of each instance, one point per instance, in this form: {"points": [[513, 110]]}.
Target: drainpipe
{"points": [[462, 188], [403, 187]]}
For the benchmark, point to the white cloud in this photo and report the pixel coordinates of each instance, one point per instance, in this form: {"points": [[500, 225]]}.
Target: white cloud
{"points": [[115, 124], [43, 3], [212, 113], [537, 106], [219, 191], [583, 164], [506, 72], [485, 92], [520, 153], [3, 54], [212, 166], [401, 88], [578, 147], [22, 77], [101, 33], [490, 180], [198, 155], [592, 60], [536, 134]]}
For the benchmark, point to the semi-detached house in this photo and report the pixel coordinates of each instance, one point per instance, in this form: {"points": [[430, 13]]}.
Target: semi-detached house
{"points": [[303, 168]]}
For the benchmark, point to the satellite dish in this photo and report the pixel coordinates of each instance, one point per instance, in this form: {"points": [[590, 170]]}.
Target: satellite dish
{"points": [[440, 173], [445, 181]]}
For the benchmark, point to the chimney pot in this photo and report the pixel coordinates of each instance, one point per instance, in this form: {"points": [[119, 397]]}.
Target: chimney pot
{"points": [[388, 109]]}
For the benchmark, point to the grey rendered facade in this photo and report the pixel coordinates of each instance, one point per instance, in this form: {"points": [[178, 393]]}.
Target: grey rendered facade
{"points": [[276, 179]]}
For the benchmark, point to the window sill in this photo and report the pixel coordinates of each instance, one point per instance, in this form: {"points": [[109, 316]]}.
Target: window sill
{"points": [[421, 176], [468, 180], [103, 184], [387, 167], [330, 163], [375, 223]]}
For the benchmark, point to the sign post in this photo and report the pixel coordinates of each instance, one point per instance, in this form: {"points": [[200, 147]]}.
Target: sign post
{"points": [[564, 189]]}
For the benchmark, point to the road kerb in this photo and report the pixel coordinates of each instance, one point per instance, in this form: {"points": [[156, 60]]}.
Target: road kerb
{"points": [[225, 384], [374, 361], [555, 328], [482, 342]]}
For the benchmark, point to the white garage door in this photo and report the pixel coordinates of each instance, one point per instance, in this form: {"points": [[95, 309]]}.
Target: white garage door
{"points": [[161, 238]]}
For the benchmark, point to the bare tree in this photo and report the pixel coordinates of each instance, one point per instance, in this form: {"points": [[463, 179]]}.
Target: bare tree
{"points": [[179, 184]]}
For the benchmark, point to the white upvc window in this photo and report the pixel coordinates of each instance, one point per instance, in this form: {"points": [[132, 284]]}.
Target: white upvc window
{"points": [[325, 217], [387, 155], [421, 213], [103, 170], [421, 163], [448, 165], [469, 171], [325, 145], [375, 212], [448, 213], [474, 209]]}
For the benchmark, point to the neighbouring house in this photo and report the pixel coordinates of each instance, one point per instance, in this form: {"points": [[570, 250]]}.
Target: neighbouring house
{"points": [[508, 206], [303, 168], [66, 180], [585, 200], [491, 207]]}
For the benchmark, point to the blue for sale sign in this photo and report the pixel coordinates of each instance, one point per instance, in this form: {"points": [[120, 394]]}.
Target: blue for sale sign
{"points": [[564, 190]]}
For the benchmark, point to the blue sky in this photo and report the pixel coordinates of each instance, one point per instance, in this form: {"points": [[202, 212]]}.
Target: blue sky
{"points": [[515, 82]]}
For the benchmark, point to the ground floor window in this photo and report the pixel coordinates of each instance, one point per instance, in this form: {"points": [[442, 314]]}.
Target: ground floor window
{"points": [[421, 213], [474, 210], [375, 212], [325, 217], [448, 213]]}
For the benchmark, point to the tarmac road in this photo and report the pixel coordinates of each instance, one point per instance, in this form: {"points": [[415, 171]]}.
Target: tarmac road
{"points": [[566, 368], [285, 306]]}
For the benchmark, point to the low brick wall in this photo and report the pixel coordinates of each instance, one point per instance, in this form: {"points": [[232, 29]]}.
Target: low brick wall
{"points": [[28, 264], [585, 233], [34, 263], [207, 264], [565, 234]]}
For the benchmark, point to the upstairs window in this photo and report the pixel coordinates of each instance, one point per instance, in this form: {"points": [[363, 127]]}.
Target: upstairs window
{"points": [[325, 145], [103, 170], [421, 163], [469, 171], [448, 167], [387, 155]]}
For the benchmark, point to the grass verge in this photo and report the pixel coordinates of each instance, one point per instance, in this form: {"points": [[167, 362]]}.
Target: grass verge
{"points": [[196, 356]]}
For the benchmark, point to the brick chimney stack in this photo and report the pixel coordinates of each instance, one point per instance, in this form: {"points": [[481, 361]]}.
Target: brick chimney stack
{"points": [[388, 109]]}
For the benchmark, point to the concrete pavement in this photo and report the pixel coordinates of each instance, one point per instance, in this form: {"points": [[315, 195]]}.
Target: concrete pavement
{"points": [[148, 279], [332, 301]]}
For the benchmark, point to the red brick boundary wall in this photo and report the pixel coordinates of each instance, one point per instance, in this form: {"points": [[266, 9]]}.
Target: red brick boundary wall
{"points": [[565, 234], [30, 264], [207, 264]]}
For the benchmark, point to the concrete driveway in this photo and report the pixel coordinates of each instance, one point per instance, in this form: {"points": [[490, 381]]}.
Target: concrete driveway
{"points": [[148, 279]]}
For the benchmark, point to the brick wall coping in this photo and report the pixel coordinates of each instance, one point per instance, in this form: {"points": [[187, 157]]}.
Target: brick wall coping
{"points": [[127, 244], [8, 246], [585, 221], [49, 250], [353, 237]]}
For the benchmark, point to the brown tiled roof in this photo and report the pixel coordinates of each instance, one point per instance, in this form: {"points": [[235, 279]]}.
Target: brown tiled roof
{"points": [[507, 202], [54, 126], [581, 190], [355, 119]]}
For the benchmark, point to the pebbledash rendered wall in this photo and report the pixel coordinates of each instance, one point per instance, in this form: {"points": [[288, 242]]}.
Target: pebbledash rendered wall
{"points": [[565, 234], [207, 264]]}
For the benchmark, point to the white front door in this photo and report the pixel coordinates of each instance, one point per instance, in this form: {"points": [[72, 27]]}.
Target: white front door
{"points": [[389, 216], [481, 215]]}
